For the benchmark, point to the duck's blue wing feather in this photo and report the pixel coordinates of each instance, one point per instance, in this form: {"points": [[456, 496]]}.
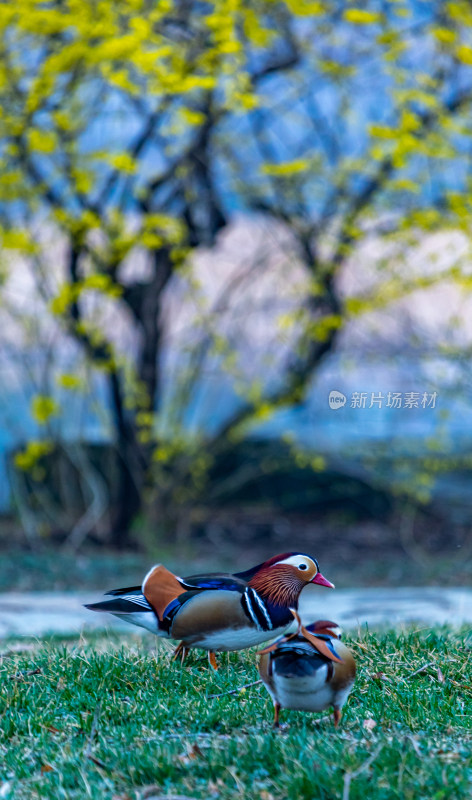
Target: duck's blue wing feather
{"points": [[210, 581], [214, 581]]}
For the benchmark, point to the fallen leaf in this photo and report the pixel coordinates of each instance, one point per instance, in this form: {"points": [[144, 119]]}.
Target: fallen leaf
{"points": [[20, 676], [461, 685], [369, 724], [46, 768], [379, 676], [52, 729], [191, 754], [441, 677]]}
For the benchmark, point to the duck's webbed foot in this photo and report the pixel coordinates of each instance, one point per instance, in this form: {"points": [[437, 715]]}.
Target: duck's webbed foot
{"points": [[276, 724], [181, 650], [212, 659]]}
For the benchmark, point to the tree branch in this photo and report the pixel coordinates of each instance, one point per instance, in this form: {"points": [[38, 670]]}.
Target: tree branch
{"points": [[385, 169]]}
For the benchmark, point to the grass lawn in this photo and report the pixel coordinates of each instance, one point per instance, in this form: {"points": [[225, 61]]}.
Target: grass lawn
{"points": [[111, 717]]}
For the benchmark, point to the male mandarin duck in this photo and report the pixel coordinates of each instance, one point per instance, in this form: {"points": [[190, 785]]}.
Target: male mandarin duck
{"points": [[217, 611], [310, 670]]}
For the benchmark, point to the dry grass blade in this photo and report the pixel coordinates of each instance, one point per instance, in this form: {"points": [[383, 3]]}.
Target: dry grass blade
{"points": [[422, 669], [97, 762], [235, 691], [88, 750], [349, 776], [93, 730], [415, 744]]}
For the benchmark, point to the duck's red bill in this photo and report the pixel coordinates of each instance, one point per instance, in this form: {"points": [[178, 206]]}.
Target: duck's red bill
{"points": [[322, 581]]}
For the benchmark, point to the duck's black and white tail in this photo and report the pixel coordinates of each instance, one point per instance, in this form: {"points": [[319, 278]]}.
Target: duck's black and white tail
{"points": [[131, 606], [122, 604]]}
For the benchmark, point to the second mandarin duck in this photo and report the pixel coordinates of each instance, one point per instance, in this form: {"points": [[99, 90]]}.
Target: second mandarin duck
{"points": [[310, 670], [218, 611]]}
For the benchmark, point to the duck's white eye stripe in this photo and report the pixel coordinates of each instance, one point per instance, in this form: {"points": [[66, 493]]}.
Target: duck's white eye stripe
{"points": [[296, 561]]}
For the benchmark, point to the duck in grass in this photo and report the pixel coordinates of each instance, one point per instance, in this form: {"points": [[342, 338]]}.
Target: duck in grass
{"points": [[218, 611], [309, 670]]}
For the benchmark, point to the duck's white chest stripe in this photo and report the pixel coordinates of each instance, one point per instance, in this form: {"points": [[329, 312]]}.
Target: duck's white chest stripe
{"points": [[268, 623], [254, 607]]}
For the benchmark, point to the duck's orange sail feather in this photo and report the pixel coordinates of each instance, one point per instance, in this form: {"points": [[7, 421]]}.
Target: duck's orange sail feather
{"points": [[320, 645], [160, 587]]}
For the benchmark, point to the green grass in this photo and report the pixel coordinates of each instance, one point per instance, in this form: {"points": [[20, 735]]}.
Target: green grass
{"points": [[108, 717]]}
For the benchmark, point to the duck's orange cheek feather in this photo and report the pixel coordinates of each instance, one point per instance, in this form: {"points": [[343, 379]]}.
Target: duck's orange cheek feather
{"points": [[280, 585]]}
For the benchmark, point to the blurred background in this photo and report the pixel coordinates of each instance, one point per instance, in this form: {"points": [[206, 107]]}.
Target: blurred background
{"points": [[235, 288]]}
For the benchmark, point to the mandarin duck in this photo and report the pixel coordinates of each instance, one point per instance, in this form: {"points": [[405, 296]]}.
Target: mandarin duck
{"points": [[218, 611], [309, 670]]}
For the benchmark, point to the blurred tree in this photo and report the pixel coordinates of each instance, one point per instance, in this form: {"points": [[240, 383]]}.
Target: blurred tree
{"points": [[133, 131]]}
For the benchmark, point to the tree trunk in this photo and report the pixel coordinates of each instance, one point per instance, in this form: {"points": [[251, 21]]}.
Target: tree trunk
{"points": [[145, 301], [127, 504], [150, 306], [128, 485]]}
